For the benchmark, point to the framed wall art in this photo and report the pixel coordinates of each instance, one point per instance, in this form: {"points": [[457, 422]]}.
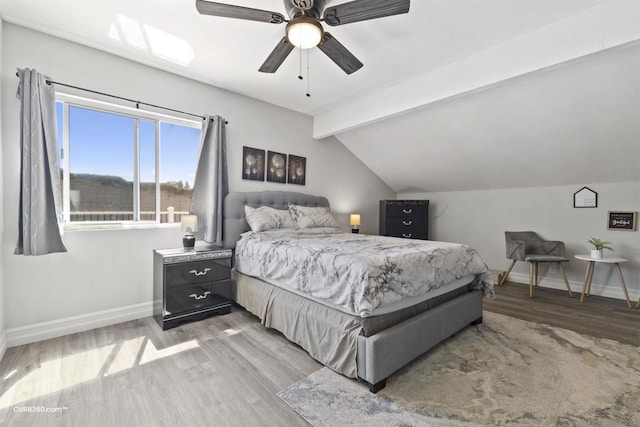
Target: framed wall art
{"points": [[297, 170], [252, 163], [276, 167], [622, 220], [585, 198]]}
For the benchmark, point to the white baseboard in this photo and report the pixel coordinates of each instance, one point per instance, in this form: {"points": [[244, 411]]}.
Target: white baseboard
{"points": [[56, 328], [613, 290]]}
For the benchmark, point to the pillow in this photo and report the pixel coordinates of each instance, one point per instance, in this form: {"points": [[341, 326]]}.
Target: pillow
{"points": [[266, 218], [306, 216]]}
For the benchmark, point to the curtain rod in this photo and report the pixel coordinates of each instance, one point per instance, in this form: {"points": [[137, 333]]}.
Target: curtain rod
{"points": [[138, 103]]}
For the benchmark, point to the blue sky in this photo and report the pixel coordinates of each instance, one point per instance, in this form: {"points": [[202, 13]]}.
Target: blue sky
{"points": [[102, 144]]}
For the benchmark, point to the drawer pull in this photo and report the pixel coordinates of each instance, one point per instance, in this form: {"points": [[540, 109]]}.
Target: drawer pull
{"points": [[407, 211], [407, 235], [200, 273], [194, 296], [407, 222]]}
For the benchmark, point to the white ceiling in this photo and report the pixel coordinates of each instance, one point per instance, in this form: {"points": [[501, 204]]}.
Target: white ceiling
{"points": [[454, 95]]}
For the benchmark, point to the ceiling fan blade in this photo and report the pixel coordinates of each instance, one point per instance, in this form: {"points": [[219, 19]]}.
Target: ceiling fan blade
{"points": [[238, 12], [277, 56], [339, 54], [361, 10]]}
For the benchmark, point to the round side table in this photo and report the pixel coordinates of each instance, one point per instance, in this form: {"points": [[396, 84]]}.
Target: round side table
{"points": [[586, 288]]}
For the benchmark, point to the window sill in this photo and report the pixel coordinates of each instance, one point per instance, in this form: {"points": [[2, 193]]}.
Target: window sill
{"points": [[97, 226]]}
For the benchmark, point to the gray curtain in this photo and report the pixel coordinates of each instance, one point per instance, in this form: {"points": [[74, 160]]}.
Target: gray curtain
{"points": [[39, 211], [211, 183]]}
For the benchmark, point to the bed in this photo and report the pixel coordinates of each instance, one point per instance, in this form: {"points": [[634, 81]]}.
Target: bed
{"points": [[356, 333]]}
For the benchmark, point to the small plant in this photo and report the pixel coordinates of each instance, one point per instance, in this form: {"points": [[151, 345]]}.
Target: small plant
{"points": [[599, 244]]}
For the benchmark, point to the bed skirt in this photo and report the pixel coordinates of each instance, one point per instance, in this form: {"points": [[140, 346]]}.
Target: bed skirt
{"points": [[367, 348], [329, 336]]}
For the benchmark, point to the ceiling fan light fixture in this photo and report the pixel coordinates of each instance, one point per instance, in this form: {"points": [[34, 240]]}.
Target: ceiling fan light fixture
{"points": [[304, 32]]}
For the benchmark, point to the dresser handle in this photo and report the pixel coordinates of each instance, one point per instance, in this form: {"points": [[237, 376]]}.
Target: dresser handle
{"points": [[407, 222], [194, 296], [200, 273], [407, 211], [406, 235]]}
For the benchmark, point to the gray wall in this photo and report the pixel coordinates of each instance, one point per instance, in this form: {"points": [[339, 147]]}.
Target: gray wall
{"points": [[2, 334], [109, 271], [480, 218]]}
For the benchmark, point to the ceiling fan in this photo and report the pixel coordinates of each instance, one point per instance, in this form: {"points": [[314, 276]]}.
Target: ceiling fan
{"points": [[304, 29]]}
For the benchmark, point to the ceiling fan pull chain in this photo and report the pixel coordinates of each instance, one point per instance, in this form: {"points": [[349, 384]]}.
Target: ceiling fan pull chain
{"points": [[308, 74], [300, 68]]}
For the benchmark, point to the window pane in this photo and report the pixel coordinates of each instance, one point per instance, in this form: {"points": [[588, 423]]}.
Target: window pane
{"points": [[179, 150], [59, 121], [101, 165], [147, 141]]}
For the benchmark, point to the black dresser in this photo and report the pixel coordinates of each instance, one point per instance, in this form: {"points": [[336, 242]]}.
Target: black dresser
{"points": [[190, 285], [405, 218]]}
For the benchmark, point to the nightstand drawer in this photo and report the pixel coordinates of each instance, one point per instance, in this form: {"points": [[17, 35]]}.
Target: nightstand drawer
{"points": [[191, 298], [197, 272]]}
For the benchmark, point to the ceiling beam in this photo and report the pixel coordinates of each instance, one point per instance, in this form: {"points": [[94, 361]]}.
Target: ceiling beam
{"points": [[602, 27]]}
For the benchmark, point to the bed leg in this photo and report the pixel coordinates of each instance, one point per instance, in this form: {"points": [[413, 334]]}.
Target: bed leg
{"points": [[374, 388], [477, 321]]}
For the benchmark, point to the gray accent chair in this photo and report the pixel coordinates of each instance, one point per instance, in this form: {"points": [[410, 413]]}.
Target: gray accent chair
{"points": [[528, 246]]}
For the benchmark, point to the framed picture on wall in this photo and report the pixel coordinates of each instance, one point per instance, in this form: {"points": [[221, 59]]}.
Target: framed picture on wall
{"points": [[276, 167], [585, 198], [621, 220], [297, 170], [252, 164]]}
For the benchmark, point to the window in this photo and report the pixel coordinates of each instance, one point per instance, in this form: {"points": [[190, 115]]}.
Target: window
{"points": [[121, 164]]}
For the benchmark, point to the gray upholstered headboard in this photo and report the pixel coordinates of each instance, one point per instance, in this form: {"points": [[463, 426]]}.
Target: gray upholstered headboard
{"points": [[234, 222]]}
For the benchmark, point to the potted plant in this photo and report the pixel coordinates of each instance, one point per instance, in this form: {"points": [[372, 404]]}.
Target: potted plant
{"points": [[598, 245]]}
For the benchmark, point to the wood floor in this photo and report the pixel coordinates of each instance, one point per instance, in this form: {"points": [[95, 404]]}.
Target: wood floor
{"points": [[597, 316], [222, 371]]}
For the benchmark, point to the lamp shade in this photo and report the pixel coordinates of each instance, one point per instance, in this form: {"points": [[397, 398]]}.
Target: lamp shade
{"points": [[189, 224], [354, 219], [304, 32]]}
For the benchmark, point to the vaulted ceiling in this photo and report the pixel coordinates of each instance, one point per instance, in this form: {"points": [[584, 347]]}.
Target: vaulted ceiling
{"points": [[454, 95]]}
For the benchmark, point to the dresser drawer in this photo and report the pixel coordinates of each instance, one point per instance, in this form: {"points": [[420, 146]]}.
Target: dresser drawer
{"points": [[197, 272], [406, 228], [407, 211], [198, 297]]}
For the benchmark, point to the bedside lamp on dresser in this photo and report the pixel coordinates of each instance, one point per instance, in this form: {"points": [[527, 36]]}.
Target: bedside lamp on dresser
{"points": [[354, 221]]}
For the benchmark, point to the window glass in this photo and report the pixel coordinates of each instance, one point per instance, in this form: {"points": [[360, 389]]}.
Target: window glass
{"points": [[101, 151], [59, 117], [147, 138], [179, 146], [119, 166]]}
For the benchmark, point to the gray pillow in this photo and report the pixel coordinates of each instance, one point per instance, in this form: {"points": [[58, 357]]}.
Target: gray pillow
{"points": [[266, 218], [307, 217]]}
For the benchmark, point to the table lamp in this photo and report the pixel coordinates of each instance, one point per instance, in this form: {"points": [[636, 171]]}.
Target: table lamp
{"points": [[189, 225], [354, 220]]}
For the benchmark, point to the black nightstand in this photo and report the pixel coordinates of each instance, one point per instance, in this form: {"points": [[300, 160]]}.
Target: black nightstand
{"points": [[190, 285]]}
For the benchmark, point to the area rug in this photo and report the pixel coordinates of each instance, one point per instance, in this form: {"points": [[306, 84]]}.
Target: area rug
{"points": [[504, 372]]}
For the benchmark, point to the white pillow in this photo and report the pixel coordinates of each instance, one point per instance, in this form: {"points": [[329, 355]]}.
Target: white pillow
{"points": [[266, 218], [307, 217]]}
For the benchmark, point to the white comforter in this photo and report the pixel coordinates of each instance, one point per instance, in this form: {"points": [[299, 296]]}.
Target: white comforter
{"points": [[357, 272]]}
